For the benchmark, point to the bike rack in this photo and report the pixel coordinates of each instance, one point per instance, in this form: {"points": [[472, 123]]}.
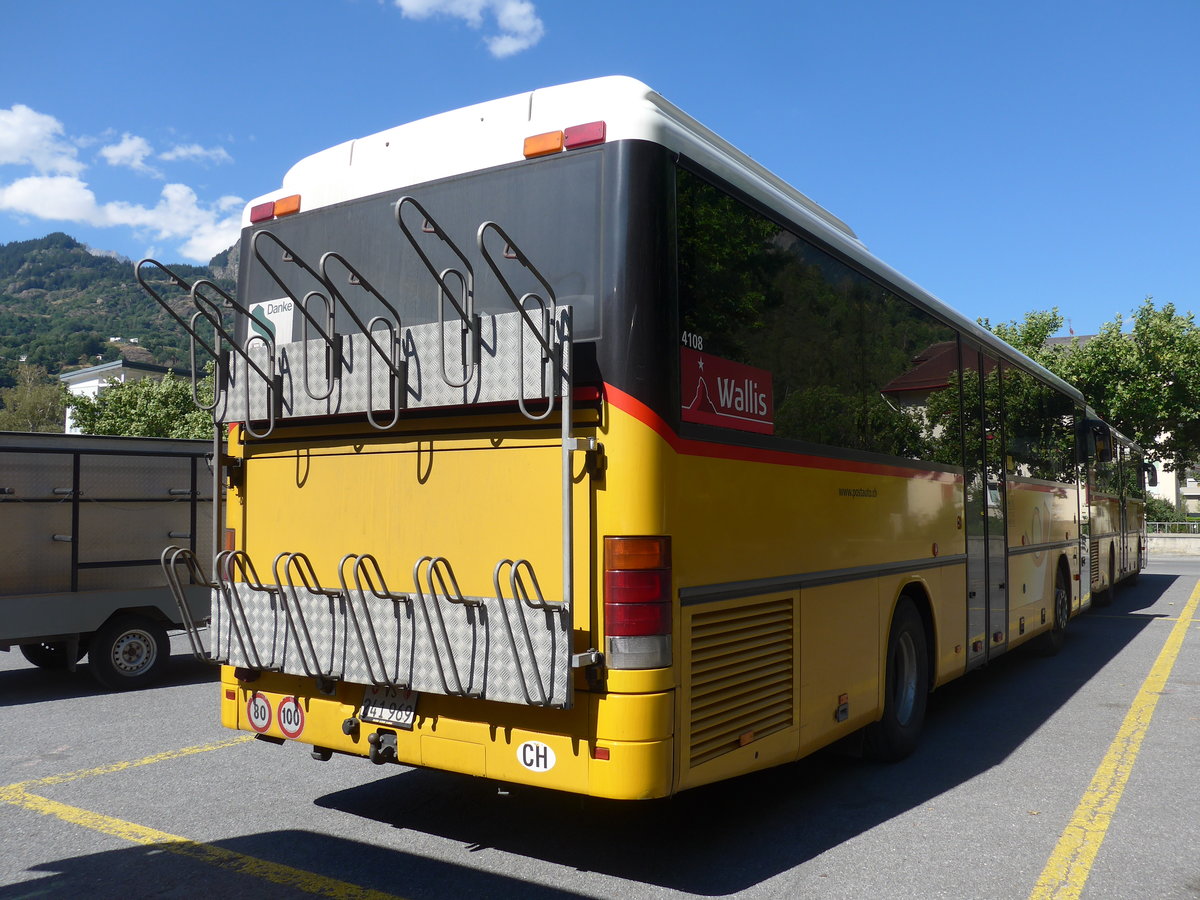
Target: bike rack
{"points": [[219, 357], [362, 574], [212, 311], [440, 568], [301, 566], [471, 322], [394, 359], [543, 332], [521, 595], [223, 569], [171, 558], [209, 310], [315, 617], [328, 332]]}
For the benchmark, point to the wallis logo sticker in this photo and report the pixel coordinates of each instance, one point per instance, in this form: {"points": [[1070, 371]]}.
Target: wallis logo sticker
{"points": [[716, 391]]}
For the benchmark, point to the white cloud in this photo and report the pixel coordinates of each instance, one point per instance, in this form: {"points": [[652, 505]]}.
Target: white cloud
{"points": [[517, 20], [196, 152], [28, 137], [131, 152], [179, 215], [53, 187]]}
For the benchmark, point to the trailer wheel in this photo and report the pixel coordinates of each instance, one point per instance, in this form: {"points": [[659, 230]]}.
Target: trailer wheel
{"points": [[52, 654], [128, 652]]}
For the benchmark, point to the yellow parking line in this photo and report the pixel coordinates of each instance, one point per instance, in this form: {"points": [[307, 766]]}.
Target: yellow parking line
{"points": [[1070, 864], [19, 795], [131, 764], [309, 882]]}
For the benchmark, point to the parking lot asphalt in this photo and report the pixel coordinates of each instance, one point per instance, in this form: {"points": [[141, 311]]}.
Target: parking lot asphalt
{"points": [[1070, 776]]}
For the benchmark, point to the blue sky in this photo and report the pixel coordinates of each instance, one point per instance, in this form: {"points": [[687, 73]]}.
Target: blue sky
{"points": [[1007, 157]]}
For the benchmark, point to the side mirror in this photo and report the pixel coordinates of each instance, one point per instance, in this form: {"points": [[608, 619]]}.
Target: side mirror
{"points": [[1151, 474]]}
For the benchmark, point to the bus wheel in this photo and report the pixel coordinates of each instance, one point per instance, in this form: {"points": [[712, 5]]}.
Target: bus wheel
{"points": [[1052, 641], [128, 652], [52, 654], [906, 691]]}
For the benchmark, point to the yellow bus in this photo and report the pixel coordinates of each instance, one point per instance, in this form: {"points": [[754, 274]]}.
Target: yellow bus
{"points": [[1116, 504], [568, 446]]}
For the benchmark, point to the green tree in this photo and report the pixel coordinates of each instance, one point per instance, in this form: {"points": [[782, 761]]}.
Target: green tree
{"points": [[1145, 380], [1159, 510], [144, 408], [36, 402]]}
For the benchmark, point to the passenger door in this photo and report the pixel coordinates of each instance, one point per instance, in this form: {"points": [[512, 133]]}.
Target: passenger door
{"points": [[985, 502]]}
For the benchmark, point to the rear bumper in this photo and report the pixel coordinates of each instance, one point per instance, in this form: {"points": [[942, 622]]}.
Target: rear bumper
{"points": [[549, 748]]}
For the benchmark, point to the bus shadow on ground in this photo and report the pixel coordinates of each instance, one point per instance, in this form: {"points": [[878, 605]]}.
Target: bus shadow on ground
{"points": [[730, 836], [298, 863], [30, 684]]}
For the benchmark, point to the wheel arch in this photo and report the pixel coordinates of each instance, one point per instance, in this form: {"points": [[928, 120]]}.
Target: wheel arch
{"points": [[151, 613]]}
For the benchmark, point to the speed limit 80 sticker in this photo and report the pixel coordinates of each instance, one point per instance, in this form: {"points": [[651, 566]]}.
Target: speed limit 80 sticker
{"points": [[258, 712]]}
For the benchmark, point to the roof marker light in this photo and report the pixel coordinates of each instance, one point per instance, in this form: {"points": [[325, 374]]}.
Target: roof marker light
{"points": [[543, 144], [263, 211], [584, 135], [286, 206]]}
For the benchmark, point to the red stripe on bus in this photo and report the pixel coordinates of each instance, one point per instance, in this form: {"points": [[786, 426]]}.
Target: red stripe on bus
{"points": [[688, 447]]}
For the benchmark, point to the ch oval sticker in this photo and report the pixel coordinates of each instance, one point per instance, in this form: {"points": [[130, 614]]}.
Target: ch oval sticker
{"points": [[535, 756]]}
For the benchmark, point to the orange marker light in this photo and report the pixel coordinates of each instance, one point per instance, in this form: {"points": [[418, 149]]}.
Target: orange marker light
{"points": [[287, 206], [543, 144], [638, 553]]}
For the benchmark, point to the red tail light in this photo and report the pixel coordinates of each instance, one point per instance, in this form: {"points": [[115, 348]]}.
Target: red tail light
{"points": [[584, 135], [637, 602]]}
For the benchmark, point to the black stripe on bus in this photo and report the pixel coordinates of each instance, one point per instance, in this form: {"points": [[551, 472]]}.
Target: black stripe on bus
{"points": [[1039, 548], [690, 596]]}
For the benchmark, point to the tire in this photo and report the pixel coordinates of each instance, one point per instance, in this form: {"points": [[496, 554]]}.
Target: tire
{"points": [[52, 654], [906, 691], [1052, 641], [129, 652]]}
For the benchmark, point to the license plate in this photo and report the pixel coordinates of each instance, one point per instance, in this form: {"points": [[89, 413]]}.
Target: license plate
{"points": [[388, 706]]}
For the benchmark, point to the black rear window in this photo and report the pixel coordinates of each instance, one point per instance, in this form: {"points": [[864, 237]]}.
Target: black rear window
{"points": [[550, 208]]}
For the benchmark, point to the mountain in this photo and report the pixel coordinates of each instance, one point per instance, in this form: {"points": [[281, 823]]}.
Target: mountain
{"points": [[64, 305]]}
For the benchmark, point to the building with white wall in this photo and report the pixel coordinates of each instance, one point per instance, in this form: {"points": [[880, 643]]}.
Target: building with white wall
{"points": [[91, 381]]}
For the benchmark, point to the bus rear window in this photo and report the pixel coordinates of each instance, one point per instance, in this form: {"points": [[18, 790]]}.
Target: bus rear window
{"points": [[550, 209]]}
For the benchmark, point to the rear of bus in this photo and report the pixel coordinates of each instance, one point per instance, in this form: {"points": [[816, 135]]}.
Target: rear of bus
{"points": [[423, 564]]}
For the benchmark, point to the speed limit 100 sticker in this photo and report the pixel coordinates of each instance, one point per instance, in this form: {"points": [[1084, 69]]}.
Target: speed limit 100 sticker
{"points": [[258, 712], [291, 717]]}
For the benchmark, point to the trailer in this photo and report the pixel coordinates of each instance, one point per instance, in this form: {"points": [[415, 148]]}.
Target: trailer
{"points": [[83, 520]]}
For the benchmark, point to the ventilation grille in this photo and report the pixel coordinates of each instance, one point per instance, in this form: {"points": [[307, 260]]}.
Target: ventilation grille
{"points": [[742, 667], [1094, 556]]}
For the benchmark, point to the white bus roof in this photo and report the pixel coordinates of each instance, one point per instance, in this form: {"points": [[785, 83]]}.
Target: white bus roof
{"points": [[493, 133]]}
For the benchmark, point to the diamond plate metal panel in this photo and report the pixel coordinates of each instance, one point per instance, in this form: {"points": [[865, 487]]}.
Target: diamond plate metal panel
{"points": [[426, 641], [511, 366]]}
